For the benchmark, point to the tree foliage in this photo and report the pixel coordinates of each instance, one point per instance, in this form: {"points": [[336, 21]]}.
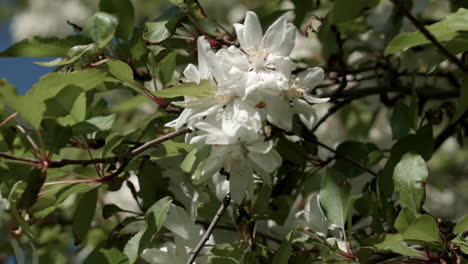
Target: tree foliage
{"points": [[96, 128]]}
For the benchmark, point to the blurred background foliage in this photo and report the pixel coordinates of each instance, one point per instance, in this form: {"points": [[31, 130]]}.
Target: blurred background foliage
{"points": [[374, 119]]}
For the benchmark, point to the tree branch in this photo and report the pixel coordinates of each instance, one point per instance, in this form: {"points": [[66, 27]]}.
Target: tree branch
{"points": [[209, 230], [114, 159], [429, 36]]}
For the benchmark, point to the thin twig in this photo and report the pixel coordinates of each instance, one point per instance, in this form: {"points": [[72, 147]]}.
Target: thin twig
{"points": [[429, 36], [210, 229], [337, 154], [114, 159], [8, 118]]}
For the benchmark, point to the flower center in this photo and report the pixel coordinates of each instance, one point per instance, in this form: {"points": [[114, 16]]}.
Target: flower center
{"points": [[224, 99], [294, 92], [258, 61]]}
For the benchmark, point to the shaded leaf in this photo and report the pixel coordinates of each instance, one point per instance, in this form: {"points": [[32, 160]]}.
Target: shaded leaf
{"points": [[461, 226], [84, 214], [35, 180], [124, 11], [164, 26], [334, 197], [284, 252], [101, 28], [443, 31], [166, 68], [424, 228], [72, 55]]}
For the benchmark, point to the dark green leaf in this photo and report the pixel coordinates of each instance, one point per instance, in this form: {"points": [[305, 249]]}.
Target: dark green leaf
{"points": [[35, 180], [84, 214], [101, 28], [284, 252], [153, 186], [400, 120], [98, 123], [334, 197], [166, 68], [462, 102], [164, 26], [120, 70], [358, 152], [106, 256], [123, 9], [109, 210], [345, 10]]}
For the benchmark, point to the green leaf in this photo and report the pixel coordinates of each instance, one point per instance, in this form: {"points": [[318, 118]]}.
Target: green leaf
{"points": [[72, 55], [48, 202], [154, 217], [404, 219], [222, 260], [284, 252], [35, 180], [462, 102], [461, 226], [44, 46], [444, 30], [106, 256], [101, 28], [32, 106], [70, 101], [188, 89], [424, 228], [301, 7], [112, 141], [125, 12], [421, 143], [171, 149], [153, 186], [84, 214], [358, 152], [409, 177], [121, 70], [400, 120], [98, 123], [396, 243], [166, 68], [109, 210], [164, 26], [345, 10], [334, 197], [54, 135]]}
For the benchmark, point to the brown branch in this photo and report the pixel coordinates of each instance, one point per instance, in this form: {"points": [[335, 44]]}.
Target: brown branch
{"points": [[429, 36], [114, 159], [210, 229]]}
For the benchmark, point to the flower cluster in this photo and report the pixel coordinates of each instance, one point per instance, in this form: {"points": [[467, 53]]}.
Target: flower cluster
{"points": [[254, 84]]}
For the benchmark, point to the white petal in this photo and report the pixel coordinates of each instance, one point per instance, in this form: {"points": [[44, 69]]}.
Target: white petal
{"points": [[214, 162], [314, 100], [240, 180], [306, 112], [278, 112], [204, 53], [252, 32], [310, 78], [267, 162], [261, 147], [192, 73], [240, 34], [274, 35]]}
